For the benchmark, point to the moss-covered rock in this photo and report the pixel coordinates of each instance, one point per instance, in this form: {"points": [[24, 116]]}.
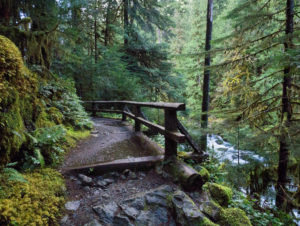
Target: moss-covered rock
{"points": [[11, 130], [221, 194], [211, 209], [11, 62], [18, 89], [208, 222], [234, 217], [204, 174]]}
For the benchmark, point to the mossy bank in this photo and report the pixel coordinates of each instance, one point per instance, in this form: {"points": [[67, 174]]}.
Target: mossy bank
{"points": [[40, 118]]}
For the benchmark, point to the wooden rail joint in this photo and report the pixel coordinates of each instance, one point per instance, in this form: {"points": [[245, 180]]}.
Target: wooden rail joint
{"points": [[171, 125]]}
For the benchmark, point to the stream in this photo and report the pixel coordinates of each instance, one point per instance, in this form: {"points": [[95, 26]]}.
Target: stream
{"points": [[240, 164]]}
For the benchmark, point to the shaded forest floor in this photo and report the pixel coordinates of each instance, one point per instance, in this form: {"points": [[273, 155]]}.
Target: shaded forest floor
{"points": [[110, 140]]}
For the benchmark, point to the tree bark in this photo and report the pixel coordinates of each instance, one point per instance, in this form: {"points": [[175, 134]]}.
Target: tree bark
{"points": [[286, 114], [107, 24], [206, 78], [126, 22], [95, 37]]}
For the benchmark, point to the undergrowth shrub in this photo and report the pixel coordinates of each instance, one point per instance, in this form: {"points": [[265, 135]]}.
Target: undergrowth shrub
{"points": [[260, 218], [45, 147], [61, 95], [37, 202]]}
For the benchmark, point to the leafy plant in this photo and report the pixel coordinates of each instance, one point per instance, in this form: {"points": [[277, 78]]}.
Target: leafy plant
{"points": [[265, 217], [45, 147], [10, 174], [61, 94]]}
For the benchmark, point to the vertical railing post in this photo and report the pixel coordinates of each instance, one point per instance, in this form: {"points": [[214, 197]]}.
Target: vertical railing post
{"points": [[137, 124], [123, 114], [170, 125], [93, 109]]}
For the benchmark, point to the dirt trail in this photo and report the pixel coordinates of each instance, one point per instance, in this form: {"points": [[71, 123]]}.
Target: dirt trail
{"points": [[111, 139]]}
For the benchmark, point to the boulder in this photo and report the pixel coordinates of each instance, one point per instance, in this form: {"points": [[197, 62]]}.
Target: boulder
{"points": [[221, 194], [211, 209], [234, 217], [186, 211], [155, 207]]}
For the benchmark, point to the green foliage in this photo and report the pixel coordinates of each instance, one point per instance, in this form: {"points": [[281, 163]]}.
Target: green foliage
{"points": [[61, 95], [265, 217], [45, 147], [37, 202], [204, 174], [10, 174], [39, 113]]}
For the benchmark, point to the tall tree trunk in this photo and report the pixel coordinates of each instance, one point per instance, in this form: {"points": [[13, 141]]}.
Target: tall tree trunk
{"points": [[126, 22], [205, 98], [107, 24], [95, 40], [286, 114]]}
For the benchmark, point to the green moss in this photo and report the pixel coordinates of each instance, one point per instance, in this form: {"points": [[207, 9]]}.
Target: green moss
{"points": [[11, 62], [292, 163], [55, 115], [204, 174], [38, 202], [18, 87], [234, 217], [221, 194], [44, 120], [182, 154], [11, 130], [208, 222], [74, 135]]}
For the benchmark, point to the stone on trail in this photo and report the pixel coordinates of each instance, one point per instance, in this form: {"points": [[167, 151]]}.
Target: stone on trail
{"points": [[101, 183], [109, 181], [107, 212], [93, 223], [85, 179], [129, 211], [72, 205]]}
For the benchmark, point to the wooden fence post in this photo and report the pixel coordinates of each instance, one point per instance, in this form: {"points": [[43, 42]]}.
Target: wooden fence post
{"points": [[137, 124], [123, 114], [93, 109], [170, 125]]}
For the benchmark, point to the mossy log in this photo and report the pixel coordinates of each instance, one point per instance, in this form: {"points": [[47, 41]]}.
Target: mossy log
{"points": [[197, 157], [189, 178]]}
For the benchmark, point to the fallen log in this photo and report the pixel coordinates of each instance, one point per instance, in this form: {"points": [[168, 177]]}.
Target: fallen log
{"points": [[197, 157], [188, 177]]}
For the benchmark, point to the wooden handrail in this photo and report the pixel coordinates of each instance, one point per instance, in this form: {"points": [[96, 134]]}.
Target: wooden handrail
{"points": [[170, 129], [161, 105]]}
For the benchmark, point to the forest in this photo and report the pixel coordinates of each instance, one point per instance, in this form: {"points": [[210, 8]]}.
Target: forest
{"points": [[235, 64]]}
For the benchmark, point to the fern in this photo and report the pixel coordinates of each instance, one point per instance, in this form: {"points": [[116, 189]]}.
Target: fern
{"points": [[11, 174]]}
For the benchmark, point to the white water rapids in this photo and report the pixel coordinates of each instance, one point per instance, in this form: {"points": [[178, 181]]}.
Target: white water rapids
{"points": [[223, 151]]}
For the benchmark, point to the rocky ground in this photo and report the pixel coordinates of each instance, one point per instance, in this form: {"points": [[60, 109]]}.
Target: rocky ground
{"points": [[86, 192], [145, 198]]}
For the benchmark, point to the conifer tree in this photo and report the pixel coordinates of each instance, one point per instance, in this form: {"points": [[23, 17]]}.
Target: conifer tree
{"points": [[260, 71], [206, 78]]}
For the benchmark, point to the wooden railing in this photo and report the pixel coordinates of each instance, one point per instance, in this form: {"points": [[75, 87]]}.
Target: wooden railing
{"points": [[173, 130]]}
